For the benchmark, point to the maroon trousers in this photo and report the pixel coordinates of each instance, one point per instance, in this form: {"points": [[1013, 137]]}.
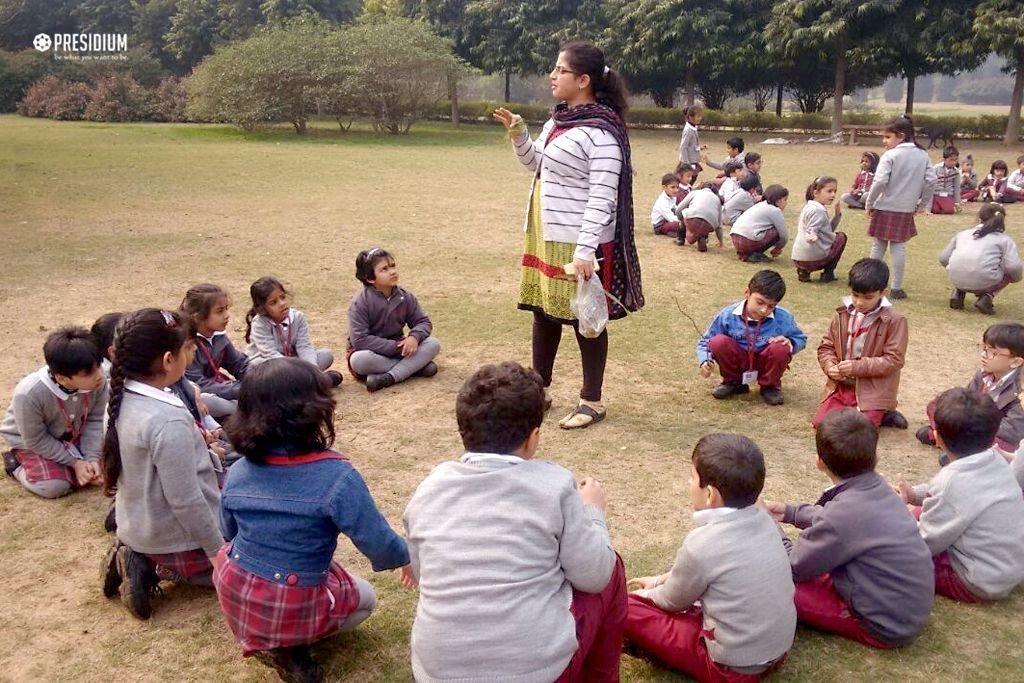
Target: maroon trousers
{"points": [[600, 625], [697, 228], [677, 640], [830, 261], [845, 396], [745, 247], [819, 605], [943, 205], [733, 361], [948, 583], [667, 228]]}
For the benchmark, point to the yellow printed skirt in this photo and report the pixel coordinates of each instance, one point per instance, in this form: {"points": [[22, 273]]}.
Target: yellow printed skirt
{"points": [[544, 286]]}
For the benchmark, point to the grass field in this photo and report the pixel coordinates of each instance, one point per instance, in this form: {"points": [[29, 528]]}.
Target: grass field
{"points": [[942, 108], [98, 217]]}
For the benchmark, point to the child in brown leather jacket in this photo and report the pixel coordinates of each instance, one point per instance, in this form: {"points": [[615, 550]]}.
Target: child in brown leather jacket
{"points": [[864, 349]]}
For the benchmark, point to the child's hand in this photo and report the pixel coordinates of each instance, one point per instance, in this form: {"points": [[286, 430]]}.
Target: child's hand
{"points": [[721, 245], [85, 471], [646, 582], [774, 508], [200, 406], [905, 491], [592, 493], [838, 208], [845, 368], [408, 346], [782, 340], [811, 236], [834, 373], [407, 576], [218, 450], [706, 367], [777, 251]]}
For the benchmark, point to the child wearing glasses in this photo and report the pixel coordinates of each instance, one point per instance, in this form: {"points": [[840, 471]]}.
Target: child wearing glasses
{"points": [[381, 352]]}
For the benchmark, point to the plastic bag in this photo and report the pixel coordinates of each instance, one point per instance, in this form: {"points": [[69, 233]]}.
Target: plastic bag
{"points": [[590, 307]]}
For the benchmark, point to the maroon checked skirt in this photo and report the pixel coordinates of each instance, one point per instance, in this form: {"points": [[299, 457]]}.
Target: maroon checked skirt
{"points": [[892, 226]]}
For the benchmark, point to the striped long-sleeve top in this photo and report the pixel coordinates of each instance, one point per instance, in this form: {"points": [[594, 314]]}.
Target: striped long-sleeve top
{"points": [[579, 184]]}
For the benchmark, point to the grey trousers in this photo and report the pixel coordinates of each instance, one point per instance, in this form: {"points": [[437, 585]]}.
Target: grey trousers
{"points": [[899, 258], [48, 488], [324, 359], [370, 363], [853, 202], [219, 407], [367, 603]]}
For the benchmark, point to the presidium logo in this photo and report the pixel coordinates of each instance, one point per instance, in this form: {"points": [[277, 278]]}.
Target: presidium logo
{"points": [[83, 46]]}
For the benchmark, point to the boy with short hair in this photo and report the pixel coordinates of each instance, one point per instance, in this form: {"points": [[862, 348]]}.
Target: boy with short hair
{"points": [[752, 163], [971, 513], [663, 215], [946, 197], [752, 341], [518, 579], [1015, 182], [862, 569], [864, 349], [740, 201], [1002, 356], [731, 183], [733, 564], [701, 213], [54, 424], [734, 148]]}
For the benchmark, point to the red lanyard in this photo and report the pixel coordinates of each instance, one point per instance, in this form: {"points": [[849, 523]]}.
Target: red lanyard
{"points": [[751, 339], [286, 343], [69, 423], [217, 377], [288, 460]]}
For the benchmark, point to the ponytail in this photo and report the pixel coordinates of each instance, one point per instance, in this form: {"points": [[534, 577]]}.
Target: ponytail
{"points": [[110, 456], [608, 84], [818, 183], [993, 219], [903, 126]]}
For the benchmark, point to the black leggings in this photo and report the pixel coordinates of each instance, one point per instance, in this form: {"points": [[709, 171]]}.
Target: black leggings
{"points": [[547, 333]]}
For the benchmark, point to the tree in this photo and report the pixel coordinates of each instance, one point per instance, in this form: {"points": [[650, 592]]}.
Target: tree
{"points": [[33, 17], [658, 37], [193, 31], [836, 28], [333, 11], [105, 16], [150, 24], [239, 18], [1000, 24]]}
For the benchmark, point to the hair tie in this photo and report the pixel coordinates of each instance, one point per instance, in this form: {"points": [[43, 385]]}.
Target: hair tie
{"points": [[607, 70]]}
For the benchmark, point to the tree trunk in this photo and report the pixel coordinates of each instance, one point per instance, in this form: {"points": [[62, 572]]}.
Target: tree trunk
{"points": [[691, 87], [778, 101], [300, 126], [453, 96], [508, 85], [663, 97], [911, 80], [840, 90], [1013, 125]]}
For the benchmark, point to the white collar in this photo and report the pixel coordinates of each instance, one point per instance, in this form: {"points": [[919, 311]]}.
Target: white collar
{"points": [[44, 377], [906, 144], [471, 458], [690, 125], [999, 382], [211, 337], [815, 201], [987, 452], [884, 303], [288, 320], [708, 515], [738, 311], [144, 389]]}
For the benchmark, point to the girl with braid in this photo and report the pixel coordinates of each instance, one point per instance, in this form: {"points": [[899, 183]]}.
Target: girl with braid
{"points": [[156, 460]]}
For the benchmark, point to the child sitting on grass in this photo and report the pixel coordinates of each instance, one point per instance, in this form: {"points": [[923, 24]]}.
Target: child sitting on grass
{"points": [[731, 181], [862, 183], [740, 201], [993, 187], [380, 351], [752, 341], [971, 514], [518, 579], [762, 227], [946, 197], [864, 349], [685, 174], [982, 260], [54, 424], [968, 180], [733, 564], [817, 245], [1002, 356], [701, 212], [273, 329], [861, 568], [206, 307], [282, 509], [663, 214]]}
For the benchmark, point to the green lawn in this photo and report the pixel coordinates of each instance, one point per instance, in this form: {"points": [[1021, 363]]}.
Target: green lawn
{"points": [[101, 217]]}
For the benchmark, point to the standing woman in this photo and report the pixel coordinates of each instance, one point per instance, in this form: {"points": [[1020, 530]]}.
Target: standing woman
{"points": [[580, 213]]}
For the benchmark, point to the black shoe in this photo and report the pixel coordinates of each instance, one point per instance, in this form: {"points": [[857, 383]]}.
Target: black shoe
{"points": [[894, 419], [10, 463], [772, 395], [378, 382], [803, 275], [828, 276], [956, 299], [335, 377], [681, 239], [110, 522], [895, 294], [727, 389], [984, 304], [292, 664], [109, 574], [925, 436], [757, 257], [702, 244], [428, 370], [138, 582]]}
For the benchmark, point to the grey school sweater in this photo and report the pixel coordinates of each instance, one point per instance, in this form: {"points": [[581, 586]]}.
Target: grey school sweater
{"points": [[736, 565], [701, 204], [167, 495], [759, 219], [269, 340], [34, 420], [815, 232], [974, 510], [977, 263], [735, 205], [498, 545], [903, 181]]}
